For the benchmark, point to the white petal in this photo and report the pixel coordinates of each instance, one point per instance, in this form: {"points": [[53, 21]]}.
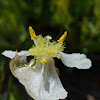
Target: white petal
{"points": [[42, 81], [24, 52], [16, 62], [11, 54], [8, 53], [77, 60], [36, 97]]}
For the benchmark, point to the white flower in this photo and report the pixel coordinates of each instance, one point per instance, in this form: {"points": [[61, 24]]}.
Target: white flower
{"points": [[39, 76]]}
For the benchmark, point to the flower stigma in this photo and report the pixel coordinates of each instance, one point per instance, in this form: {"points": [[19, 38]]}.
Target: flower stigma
{"points": [[44, 49]]}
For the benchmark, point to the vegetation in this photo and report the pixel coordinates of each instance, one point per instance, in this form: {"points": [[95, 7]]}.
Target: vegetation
{"points": [[81, 18]]}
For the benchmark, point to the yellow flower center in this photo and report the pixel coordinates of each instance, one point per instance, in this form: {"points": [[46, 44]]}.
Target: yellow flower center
{"points": [[44, 49]]}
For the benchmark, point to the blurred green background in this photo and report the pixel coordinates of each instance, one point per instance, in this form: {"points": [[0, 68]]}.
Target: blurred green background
{"points": [[81, 18]]}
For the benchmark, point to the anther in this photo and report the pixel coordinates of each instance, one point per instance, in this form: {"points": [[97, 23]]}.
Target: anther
{"points": [[62, 38], [32, 33], [43, 61]]}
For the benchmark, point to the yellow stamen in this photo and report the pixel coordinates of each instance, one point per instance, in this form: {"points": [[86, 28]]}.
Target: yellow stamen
{"points": [[62, 38], [43, 50], [43, 61], [32, 33]]}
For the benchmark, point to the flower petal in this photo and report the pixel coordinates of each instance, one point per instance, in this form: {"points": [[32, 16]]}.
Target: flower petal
{"points": [[11, 54], [24, 52], [77, 60], [8, 53], [42, 81], [17, 62]]}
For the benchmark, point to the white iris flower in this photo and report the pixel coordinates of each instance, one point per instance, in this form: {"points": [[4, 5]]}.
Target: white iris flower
{"points": [[39, 76]]}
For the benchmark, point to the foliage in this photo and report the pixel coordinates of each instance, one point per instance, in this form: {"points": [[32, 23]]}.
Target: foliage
{"points": [[81, 18]]}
